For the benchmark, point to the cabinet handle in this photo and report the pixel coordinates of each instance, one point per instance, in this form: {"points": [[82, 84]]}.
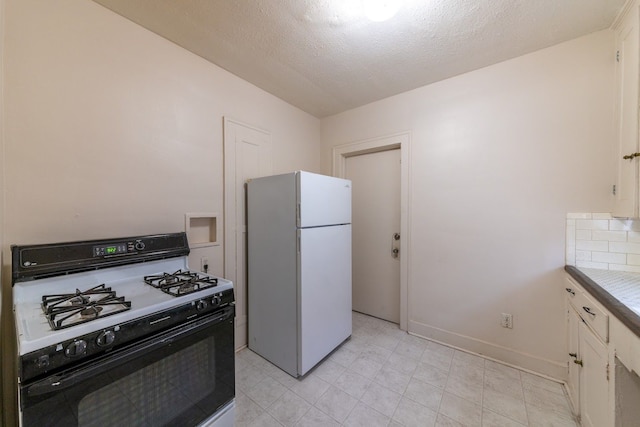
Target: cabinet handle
{"points": [[578, 362], [631, 156], [571, 291], [588, 310], [574, 355]]}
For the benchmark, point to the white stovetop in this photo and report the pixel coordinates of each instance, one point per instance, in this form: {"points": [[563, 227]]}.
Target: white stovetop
{"points": [[623, 286], [34, 331]]}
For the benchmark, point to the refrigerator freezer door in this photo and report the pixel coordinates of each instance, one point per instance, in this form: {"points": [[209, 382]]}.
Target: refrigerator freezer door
{"points": [[323, 200], [324, 272]]}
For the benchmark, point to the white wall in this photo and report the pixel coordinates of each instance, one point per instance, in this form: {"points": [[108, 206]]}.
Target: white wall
{"points": [[97, 108], [114, 131], [498, 157], [6, 311]]}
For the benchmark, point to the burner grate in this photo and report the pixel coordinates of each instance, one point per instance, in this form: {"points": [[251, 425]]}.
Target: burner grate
{"points": [[180, 282], [64, 310]]}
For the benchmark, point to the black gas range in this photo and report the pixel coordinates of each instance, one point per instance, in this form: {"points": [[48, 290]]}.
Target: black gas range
{"points": [[116, 321]]}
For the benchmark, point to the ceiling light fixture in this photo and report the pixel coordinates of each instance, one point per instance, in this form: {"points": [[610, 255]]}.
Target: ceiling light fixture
{"points": [[380, 10]]}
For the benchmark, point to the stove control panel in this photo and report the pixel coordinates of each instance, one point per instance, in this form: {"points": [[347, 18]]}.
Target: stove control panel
{"points": [[43, 362], [35, 261], [115, 249], [106, 338], [119, 248], [82, 348], [76, 349]]}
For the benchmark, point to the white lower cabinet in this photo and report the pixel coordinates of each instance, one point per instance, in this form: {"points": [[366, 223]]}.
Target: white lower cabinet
{"points": [[594, 379], [589, 384], [573, 384]]}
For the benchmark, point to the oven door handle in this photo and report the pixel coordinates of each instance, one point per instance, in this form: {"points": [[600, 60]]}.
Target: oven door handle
{"points": [[64, 380]]}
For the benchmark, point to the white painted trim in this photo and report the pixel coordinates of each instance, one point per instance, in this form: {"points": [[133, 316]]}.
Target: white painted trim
{"points": [[7, 368], [617, 22], [240, 332], [527, 362], [228, 222], [229, 155], [384, 143], [493, 359]]}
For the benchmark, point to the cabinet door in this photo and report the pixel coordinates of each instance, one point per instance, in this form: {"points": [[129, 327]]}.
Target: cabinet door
{"points": [[626, 191], [573, 388], [594, 380]]}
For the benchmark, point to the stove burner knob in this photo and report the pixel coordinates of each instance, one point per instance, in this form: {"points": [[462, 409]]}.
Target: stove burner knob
{"points": [[43, 362], [216, 300], [105, 338], [201, 305], [139, 245], [76, 348]]}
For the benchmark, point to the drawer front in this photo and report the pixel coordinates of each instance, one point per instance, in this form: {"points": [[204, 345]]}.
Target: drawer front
{"points": [[588, 309], [627, 345], [573, 291], [595, 317]]}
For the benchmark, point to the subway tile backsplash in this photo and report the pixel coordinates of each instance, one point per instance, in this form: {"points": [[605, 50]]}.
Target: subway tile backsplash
{"points": [[597, 240]]}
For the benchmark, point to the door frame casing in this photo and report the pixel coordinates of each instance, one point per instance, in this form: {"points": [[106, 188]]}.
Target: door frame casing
{"points": [[230, 247], [401, 141], [229, 190]]}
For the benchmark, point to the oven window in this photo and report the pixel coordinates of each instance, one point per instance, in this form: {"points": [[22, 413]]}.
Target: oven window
{"points": [[181, 384], [157, 392]]}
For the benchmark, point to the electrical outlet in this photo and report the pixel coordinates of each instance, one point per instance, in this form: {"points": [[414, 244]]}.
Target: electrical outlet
{"points": [[204, 265], [506, 320]]}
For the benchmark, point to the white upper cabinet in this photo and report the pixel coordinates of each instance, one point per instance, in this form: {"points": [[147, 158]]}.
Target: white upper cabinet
{"points": [[627, 186]]}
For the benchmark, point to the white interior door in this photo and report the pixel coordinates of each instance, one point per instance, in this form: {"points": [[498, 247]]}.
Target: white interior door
{"points": [[376, 219], [247, 154]]}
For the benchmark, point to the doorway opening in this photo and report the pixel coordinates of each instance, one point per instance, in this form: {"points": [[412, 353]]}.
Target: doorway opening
{"points": [[342, 162]]}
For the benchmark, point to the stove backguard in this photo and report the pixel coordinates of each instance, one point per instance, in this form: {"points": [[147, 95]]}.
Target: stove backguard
{"points": [[40, 261]]}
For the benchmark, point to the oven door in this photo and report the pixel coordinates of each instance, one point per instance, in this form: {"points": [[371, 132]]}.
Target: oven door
{"points": [[180, 377]]}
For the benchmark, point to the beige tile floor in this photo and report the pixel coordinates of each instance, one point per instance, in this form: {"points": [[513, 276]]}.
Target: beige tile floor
{"points": [[385, 377]]}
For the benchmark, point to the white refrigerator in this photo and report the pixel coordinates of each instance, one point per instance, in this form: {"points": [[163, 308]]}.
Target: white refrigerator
{"points": [[299, 268]]}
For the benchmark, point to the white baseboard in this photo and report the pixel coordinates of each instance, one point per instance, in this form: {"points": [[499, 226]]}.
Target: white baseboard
{"points": [[240, 334], [553, 370]]}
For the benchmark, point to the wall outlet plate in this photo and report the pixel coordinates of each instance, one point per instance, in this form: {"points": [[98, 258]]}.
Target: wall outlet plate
{"points": [[204, 265], [506, 320]]}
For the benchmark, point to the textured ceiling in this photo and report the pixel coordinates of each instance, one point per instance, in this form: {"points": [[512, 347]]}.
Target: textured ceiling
{"points": [[325, 57]]}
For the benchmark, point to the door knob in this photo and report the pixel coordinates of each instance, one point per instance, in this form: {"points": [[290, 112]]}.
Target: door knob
{"points": [[631, 156], [395, 252], [396, 236]]}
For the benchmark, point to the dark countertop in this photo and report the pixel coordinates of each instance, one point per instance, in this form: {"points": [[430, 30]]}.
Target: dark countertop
{"points": [[618, 292]]}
